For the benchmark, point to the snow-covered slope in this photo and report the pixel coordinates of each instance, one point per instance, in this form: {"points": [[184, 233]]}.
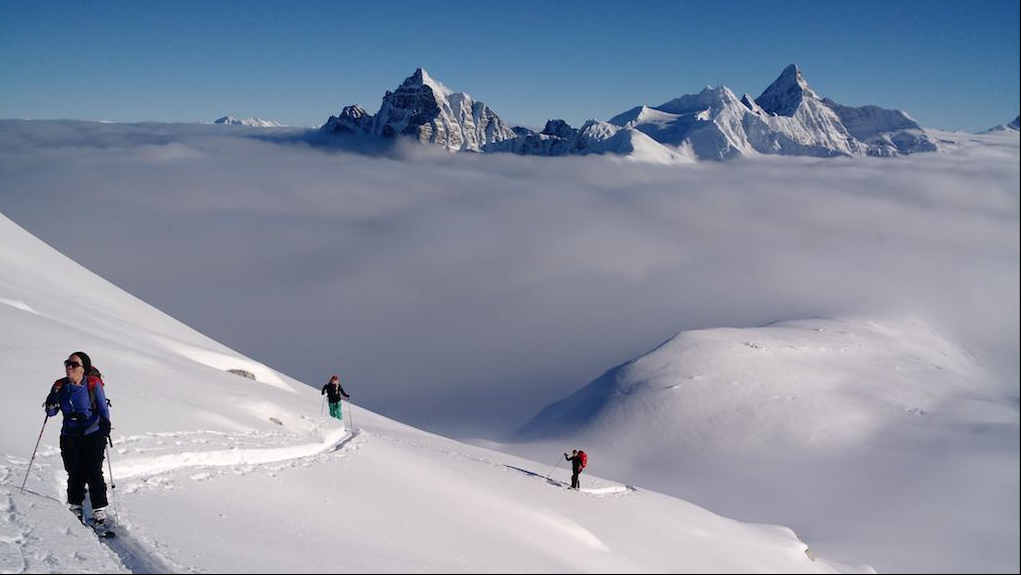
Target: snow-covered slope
{"points": [[885, 132], [424, 109], [250, 122], [795, 382], [216, 472], [871, 435], [1014, 126]]}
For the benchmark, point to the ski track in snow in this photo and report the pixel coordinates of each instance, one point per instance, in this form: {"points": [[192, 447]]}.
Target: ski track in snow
{"points": [[151, 462], [605, 488], [138, 465], [38, 535]]}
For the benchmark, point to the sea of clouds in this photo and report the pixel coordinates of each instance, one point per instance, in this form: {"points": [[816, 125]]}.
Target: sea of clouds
{"points": [[461, 293]]}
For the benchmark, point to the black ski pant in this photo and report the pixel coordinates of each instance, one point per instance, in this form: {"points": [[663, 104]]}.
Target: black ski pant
{"points": [[574, 480], [83, 461]]}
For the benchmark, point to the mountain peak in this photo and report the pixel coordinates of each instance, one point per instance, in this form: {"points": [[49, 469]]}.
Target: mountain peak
{"points": [[560, 129], [785, 94], [424, 109], [422, 78]]}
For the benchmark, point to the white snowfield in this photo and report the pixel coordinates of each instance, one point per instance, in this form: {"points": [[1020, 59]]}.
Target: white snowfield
{"points": [[218, 473], [863, 434]]}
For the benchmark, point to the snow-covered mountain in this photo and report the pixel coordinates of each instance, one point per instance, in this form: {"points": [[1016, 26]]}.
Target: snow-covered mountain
{"points": [[428, 111], [711, 123], [250, 122], [558, 138], [879, 423], [1013, 126], [800, 123], [219, 473], [788, 118]]}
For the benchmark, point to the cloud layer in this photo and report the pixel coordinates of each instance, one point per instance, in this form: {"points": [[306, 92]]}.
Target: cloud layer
{"points": [[461, 293]]}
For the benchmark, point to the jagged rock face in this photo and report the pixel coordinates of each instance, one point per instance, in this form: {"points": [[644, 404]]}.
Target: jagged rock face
{"points": [[424, 109], [410, 110], [784, 96], [353, 120], [560, 129], [1016, 124]]}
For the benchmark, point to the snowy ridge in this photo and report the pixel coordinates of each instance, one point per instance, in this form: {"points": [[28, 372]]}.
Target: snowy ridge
{"points": [[788, 118], [250, 122], [204, 460], [602, 138], [1013, 126]]}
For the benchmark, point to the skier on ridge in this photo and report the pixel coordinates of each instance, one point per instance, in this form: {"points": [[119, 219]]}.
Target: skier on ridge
{"points": [[578, 459], [334, 392]]}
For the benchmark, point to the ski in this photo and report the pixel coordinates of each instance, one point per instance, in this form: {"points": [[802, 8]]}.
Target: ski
{"points": [[102, 532]]}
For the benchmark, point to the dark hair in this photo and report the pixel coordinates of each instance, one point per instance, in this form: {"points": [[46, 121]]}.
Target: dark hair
{"points": [[87, 364]]}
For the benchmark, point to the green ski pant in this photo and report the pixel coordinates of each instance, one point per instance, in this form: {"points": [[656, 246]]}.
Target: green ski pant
{"points": [[336, 410]]}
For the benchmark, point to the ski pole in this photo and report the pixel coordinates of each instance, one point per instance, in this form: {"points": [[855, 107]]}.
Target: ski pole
{"points": [[351, 415], [33, 453], [323, 406], [552, 470], [113, 485], [109, 463]]}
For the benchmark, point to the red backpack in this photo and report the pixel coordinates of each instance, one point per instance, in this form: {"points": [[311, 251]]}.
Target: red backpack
{"points": [[91, 381], [584, 458]]}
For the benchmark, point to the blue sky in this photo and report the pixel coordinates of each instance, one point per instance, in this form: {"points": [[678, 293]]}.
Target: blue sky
{"points": [[952, 65]]}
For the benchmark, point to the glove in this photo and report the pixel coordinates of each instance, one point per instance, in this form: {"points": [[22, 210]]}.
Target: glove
{"points": [[104, 427], [52, 409]]}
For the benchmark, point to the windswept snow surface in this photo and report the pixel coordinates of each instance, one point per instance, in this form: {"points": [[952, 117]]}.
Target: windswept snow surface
{"points": [[218, 473], [876, 437]]}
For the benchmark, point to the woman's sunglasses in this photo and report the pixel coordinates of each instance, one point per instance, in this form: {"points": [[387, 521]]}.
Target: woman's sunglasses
{"points": [[73, 364]]}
